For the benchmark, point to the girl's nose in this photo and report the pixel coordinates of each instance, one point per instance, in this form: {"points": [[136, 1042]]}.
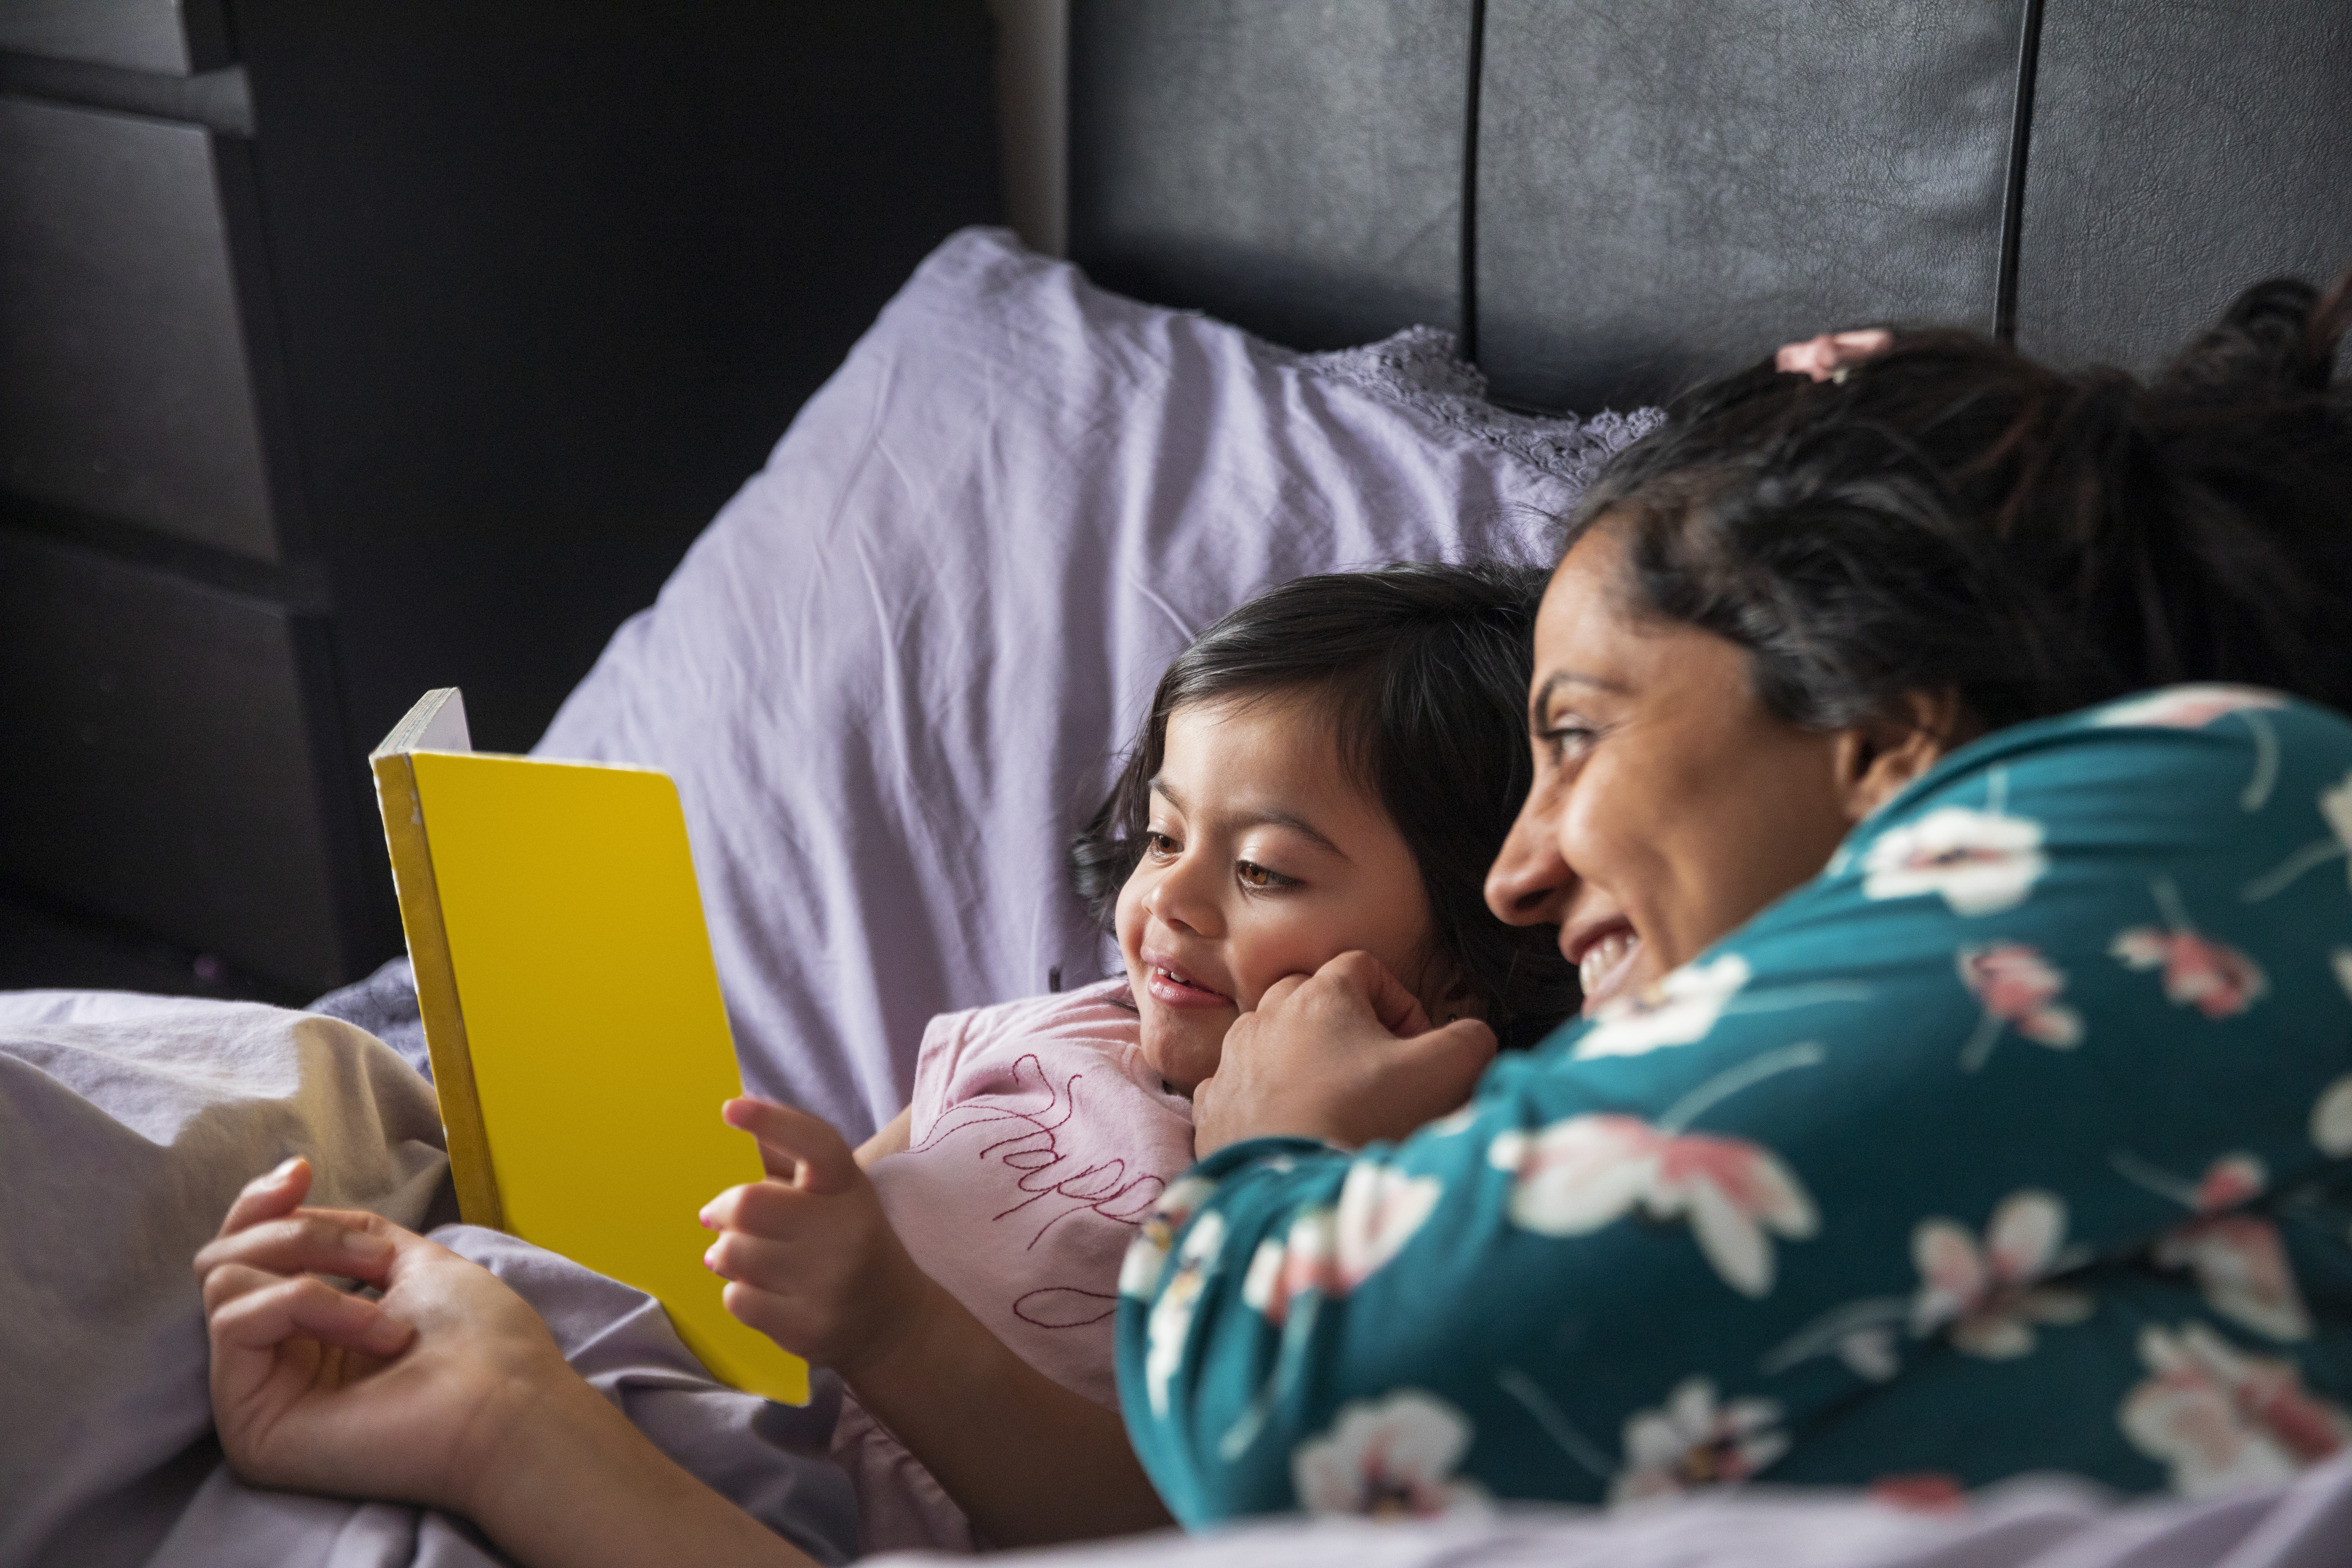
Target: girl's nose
{"points": [[1183, 897]]}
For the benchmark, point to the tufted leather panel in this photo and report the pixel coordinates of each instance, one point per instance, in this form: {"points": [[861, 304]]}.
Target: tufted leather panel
{"points": [[1669, 191], [2180, 153], [1295, 168]]}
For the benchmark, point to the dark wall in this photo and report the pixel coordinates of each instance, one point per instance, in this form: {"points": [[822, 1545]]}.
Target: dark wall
{"points": [[496, 302], [1609, 201]]}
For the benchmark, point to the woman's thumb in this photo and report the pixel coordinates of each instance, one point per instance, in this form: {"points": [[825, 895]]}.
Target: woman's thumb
{"points": [[1451, 1058]]}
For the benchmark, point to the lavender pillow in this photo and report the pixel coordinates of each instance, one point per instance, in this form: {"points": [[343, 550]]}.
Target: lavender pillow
{"points": [[892, 677]]}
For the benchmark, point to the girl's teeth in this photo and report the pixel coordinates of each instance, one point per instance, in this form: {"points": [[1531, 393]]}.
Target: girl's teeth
{"points": [[1601, 959]]}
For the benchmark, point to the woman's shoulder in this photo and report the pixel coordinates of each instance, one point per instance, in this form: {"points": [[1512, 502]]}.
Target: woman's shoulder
{"points": [[2200, 815], [2241, 758]]}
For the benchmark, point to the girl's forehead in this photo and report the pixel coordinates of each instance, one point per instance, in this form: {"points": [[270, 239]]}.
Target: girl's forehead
{"points": [[1290, 724], [1277, 754]]}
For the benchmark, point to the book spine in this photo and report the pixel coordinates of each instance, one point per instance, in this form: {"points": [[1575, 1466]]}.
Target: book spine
{"points": [[437, 991]]}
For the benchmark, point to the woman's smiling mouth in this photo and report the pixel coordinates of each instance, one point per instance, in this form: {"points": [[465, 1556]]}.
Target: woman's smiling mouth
{"points": [[1605, 963]]}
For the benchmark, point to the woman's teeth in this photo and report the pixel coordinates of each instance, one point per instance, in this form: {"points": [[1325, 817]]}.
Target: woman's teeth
{"points": [[1603, 958]]}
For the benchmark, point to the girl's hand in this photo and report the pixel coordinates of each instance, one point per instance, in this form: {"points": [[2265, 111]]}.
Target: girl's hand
{"points": [[811, 1259], [410, 1398], [1345, 1055]]}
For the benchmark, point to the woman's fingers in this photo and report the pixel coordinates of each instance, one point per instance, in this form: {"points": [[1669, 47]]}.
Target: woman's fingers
{"points": [[1444, 1065], [794, 1146], [1824, 357], [1359, 977], [342, 1242], [253, 1311], [1347, 1056], [269, 1195]]}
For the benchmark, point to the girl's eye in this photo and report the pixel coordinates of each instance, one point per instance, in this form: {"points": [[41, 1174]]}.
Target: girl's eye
{"points": [[1264, 878], [1159, 845]]}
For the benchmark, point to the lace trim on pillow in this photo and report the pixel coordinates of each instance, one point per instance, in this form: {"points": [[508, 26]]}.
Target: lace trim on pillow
{"points": [[1418, 369]]}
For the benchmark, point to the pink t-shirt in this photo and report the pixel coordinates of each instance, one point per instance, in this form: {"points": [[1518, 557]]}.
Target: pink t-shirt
{"points": [[1039, 1139]]}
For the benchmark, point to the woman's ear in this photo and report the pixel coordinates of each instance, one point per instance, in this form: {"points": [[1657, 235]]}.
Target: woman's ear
{"points": [[1877, 759]]}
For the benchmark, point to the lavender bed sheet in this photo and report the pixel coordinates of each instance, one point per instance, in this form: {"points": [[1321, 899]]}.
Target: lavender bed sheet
{"points": [[2036, 1523], [127, 1122]]}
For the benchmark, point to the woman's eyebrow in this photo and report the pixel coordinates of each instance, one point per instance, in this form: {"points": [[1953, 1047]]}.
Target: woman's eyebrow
{"points": [[1560, 678]]}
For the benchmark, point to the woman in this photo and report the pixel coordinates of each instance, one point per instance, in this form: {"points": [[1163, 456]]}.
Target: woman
{"points": [[1622, 1267], [1963, 1090]]}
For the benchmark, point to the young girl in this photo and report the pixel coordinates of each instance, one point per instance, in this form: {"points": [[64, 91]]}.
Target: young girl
{"points": [[1329, 769]]}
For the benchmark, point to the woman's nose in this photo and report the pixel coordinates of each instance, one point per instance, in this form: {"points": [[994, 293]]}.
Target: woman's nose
{"points": [[1529, 880]]}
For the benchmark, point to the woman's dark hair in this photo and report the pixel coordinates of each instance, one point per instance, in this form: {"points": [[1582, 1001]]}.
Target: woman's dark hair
{"points": [[1951, 515], [1423, 671]]}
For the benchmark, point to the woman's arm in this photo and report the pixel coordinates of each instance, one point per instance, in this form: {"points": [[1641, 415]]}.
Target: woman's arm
{"points": [[1028, 1461], [814, 1264], [2073, 994], [447, 1393]]}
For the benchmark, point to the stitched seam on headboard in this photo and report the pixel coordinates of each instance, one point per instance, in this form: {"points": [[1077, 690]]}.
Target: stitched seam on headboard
{"points": [[2020, 136], [1467, 337]]}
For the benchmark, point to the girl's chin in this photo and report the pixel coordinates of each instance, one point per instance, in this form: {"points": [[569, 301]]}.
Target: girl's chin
{"points": [[1183, 1057]]}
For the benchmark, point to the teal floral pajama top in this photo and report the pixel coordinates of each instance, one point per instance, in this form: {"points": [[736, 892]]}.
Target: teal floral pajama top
{"points": [[2020, 1139]]}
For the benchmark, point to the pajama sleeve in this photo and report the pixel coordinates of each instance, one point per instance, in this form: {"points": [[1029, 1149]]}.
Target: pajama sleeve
{"points": [[2016, 1140]]}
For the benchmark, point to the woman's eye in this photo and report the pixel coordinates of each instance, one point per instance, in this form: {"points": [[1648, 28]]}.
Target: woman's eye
{"points": [[1160, 846], [1262, 878], [1566, 740]]}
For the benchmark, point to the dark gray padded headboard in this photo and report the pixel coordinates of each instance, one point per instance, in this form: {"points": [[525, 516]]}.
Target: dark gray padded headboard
{"points": [[1608, 198]]}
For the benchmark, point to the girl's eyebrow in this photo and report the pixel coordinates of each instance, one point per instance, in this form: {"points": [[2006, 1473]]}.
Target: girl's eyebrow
{"points": [[1266, 815], [1297, 824]]}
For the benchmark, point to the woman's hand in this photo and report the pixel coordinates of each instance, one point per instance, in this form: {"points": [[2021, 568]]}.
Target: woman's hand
{"points": [[448, 1392], [1345, 1055], [410, 1398], [811, 1259], [1829, 356]]}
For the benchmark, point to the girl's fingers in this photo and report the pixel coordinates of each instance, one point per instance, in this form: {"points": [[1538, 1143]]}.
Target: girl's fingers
{"points": [[269, 1195], [308, 1241], [769, 1208], [254, 1311], [761, 1310], [752, 1259], [795, 1146]]}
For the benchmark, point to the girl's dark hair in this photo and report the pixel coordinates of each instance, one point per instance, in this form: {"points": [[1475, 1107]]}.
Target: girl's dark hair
{"points": [[1423, 671], [1951, 515]]}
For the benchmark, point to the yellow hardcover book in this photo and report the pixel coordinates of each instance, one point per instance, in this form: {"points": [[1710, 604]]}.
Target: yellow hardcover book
{"points": [[571, 1010]]}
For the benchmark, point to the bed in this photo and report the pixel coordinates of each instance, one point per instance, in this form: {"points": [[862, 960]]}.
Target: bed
{"points": [[1342, 269]]}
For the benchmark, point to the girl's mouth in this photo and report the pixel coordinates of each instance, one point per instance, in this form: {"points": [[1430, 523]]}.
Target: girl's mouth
{"points": [[1175, 988], [1606, 966]]}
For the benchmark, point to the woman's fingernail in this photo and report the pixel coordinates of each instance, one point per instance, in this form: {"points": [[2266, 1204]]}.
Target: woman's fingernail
{"points": [[361, 1243], [284, 1169]]}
